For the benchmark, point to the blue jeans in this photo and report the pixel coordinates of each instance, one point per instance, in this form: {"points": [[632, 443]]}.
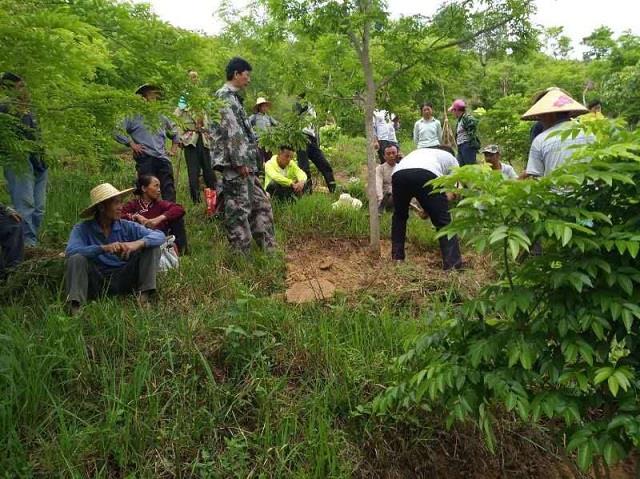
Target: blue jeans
{"points": [[467, 154], [28, 191]]}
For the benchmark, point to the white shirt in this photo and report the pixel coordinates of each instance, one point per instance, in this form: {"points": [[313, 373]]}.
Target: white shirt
{"points": [[546, 154], [310, 129], [427, 133], [508, 172], [383, 180], [383, 129], [438, 162]]}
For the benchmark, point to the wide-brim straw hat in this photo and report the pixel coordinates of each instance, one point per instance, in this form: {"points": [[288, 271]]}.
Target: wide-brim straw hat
{"points": [[260, 101], [102, 193], [555, 101], [147, 87]]}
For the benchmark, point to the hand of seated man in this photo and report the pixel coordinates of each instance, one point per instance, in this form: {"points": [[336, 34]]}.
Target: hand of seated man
{"points": [[126, 249], [112, 248], [298, 187]]}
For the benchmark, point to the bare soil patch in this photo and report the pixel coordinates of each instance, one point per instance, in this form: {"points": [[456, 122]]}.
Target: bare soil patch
{"points": [[349, 265]]}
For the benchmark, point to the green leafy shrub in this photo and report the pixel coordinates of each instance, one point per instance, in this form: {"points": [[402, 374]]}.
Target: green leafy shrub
{"points": [[347, 154], [555, 338], [330, 134], [502, 125]]}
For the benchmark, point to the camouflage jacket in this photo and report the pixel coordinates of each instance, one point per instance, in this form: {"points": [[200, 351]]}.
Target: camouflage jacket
{"points": [[233, 141]]}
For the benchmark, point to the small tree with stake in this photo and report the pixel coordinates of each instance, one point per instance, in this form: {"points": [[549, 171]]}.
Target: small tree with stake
{"points": [[366, 23]]}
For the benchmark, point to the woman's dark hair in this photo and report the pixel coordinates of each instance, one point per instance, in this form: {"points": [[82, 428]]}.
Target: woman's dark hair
{"points": [[237, 64], [286, 147], [142, 182], [426, 103]]}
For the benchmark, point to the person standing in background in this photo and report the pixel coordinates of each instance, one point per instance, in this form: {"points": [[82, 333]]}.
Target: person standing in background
{"points": [[148, 147], [466, 133], [262, 121], [384, 133], [427, 131], [312, 151], [27, 175], [196, 143]]}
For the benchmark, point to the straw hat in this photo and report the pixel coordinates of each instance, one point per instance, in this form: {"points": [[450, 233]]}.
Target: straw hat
{"points": [[554, 101], [142, 89], [260, 101], [102, 193]]}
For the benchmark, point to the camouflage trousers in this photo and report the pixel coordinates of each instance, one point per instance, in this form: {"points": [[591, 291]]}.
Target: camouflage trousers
{"points": [[247, 212]]}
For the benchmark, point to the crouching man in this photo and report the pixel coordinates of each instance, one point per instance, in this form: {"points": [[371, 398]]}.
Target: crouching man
{"points": [[284, 179], [410, 179], [108, 255]]}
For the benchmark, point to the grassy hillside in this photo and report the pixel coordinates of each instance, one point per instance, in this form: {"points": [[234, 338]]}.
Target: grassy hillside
{"points": [[222, 378]]}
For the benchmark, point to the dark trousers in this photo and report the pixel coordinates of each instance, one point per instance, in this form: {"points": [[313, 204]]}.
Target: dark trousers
{"points": [[263, 157], [84, 280], [11, 243], [280, 192], [161, 169], [467, 154], [314, 153], [408, 184], [178, 229], [198, 159], [386, 203], [382, 145]]}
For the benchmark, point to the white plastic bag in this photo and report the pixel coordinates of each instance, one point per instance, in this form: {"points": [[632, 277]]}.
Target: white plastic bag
{"points": [[347, 201], [168, 255]]}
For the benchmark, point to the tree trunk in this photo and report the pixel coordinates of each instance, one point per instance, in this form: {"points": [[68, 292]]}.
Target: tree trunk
{"points": [[372, 160]]}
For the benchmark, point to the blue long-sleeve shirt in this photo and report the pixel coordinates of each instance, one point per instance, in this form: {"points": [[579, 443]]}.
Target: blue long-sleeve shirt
{"points": [[153, 142], [87, 239]]}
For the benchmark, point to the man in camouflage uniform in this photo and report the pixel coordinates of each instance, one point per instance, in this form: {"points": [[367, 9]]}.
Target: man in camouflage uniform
{"points": [[247, 208]]}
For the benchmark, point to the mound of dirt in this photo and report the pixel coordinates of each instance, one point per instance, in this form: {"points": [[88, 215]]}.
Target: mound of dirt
{"points": [[348, 264]]}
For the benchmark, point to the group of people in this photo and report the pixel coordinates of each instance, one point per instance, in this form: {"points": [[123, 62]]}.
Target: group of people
{"points": [[117, 248], [401, 180]]}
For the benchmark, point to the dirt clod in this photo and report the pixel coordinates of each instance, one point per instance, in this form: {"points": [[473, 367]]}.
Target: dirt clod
{"points": [[326, 264], [310, 290]]}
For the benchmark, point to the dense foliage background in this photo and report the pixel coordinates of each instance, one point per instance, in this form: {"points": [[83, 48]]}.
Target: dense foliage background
{"points": [[83, 59], [223, 378]]}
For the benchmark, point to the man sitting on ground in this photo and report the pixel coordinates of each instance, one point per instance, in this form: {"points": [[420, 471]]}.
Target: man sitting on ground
{"points": [[284, 179], [11, 239], [383, 179], [492, 156], [107, 254]]}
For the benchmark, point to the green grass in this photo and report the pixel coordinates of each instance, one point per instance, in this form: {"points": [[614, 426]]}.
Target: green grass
{"points": [[219, 379]]}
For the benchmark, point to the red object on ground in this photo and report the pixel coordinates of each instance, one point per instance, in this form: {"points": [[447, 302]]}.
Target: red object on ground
{"points": [[211, 201]]}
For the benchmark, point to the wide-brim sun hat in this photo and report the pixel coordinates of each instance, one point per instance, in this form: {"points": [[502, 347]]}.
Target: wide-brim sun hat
{"points": [[100, 194], [260, 101], [148, 87], [555, 101]]}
